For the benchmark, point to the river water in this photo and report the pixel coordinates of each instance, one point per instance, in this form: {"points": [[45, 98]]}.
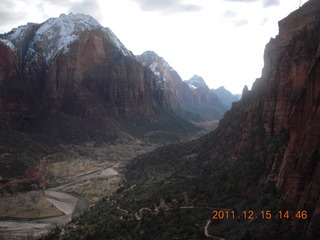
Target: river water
{"points": [[70, 204]]}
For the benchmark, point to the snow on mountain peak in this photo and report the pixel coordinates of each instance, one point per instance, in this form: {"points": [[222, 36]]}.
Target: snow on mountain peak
{"points": [[69, 23], [61, 32], [117, 42], [151, 60], [8, 44], [56, 34], [157, 65], [196, 82]]}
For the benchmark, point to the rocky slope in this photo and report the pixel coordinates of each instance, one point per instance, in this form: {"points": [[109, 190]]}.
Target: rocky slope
{"points": [[180, 93], [165, 74]]}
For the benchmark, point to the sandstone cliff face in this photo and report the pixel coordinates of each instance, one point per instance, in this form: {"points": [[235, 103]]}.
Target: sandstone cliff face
{"points": [[16, 101], [94, 77], [81, 69], [285, 101], [180, 93], [166, 76]]}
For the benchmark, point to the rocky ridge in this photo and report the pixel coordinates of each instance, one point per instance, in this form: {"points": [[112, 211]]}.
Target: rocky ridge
{"points": [[193, 95], [164, 74]]}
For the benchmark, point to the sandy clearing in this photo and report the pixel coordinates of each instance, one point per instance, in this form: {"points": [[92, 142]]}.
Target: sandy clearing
{"points": [[65, 202], [109, 172]]}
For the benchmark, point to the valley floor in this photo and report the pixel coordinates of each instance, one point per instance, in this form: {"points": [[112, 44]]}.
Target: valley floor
{"points": [[77, 178], [70, 181]]}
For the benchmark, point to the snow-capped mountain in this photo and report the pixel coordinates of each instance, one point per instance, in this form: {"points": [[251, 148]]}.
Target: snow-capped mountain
{"points": [[66, 62], [151, 60], [165, 74], [55, 35], [8, 44], [73, 64], [196, 82], [156, 64], [193, 95]]}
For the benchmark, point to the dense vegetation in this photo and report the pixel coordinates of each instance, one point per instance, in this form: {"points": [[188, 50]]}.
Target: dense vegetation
{"points": [[24, 143], [171, 192]]}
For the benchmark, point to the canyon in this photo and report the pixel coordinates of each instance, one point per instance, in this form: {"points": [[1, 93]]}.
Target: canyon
{"points": [[263, 156], [75, 105]]}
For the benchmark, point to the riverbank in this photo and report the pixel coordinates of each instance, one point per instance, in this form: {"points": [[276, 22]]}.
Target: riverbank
{"points": [[66, 204]]}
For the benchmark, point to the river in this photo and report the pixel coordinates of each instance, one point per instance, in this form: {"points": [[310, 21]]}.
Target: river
{"points": [[70, 204]]}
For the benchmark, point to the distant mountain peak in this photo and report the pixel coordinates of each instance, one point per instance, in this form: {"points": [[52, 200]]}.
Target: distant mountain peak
{"points": [[226, 96], [221, 88], [151, 55], [196, 82], [156, 63]]}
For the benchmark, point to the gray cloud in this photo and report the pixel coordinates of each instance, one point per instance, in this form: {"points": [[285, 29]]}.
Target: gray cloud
{"points": [[11, 13], [241, 22], [266, 3], [90, 7], [230, 14], [264, 21], [242, 0], [269, 3], [7, 17], [15, 13], [167, 6], [234, 19]]}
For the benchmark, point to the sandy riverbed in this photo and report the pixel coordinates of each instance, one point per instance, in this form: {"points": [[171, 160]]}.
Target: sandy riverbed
{"points": [[66, 202]]}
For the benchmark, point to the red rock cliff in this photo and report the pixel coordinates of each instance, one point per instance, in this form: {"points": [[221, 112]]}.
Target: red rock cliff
{"points": [[285, 100], [80, 70], [95, 77]]}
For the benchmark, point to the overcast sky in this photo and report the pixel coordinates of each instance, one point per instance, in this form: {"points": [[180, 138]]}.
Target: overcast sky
{"points": [[221, 40]]}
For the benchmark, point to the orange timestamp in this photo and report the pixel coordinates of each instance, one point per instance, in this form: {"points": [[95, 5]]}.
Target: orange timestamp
{"points": [[250, 214]]}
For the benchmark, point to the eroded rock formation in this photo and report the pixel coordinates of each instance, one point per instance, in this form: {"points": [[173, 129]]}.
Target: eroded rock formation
{"points": [[285, 101]]}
